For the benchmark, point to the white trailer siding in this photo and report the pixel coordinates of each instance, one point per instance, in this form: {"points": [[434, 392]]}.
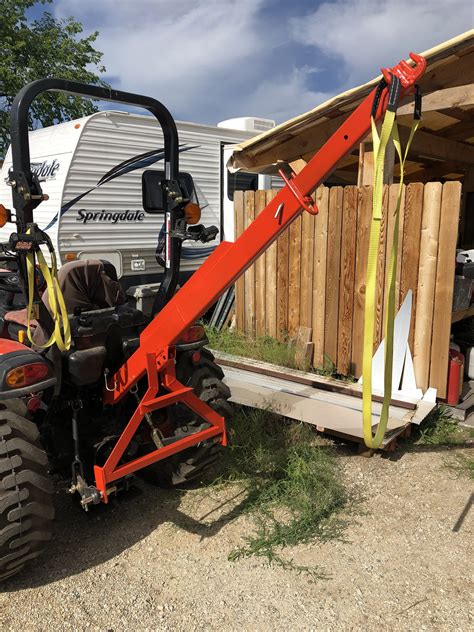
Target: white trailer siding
{"points": [[89, 148], [46, 145]]}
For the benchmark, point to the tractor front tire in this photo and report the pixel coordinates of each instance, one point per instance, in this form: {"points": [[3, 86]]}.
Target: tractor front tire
{"points": [[26, 490], [205, 377]]}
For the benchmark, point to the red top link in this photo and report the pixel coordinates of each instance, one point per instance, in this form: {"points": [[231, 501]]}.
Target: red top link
{"points": [[407, 74]]}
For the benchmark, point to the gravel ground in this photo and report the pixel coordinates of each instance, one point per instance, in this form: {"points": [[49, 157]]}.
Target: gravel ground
{"points": [[156, 560]]}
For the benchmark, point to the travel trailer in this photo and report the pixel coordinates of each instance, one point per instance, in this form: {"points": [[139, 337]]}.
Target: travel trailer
{"points": [[91, 169]]}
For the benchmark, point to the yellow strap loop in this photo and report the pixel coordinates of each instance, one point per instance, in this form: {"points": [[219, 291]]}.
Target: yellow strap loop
{"points": [[62, 331], [389, 131]]}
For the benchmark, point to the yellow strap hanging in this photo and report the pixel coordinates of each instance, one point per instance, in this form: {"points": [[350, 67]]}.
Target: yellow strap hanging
{"points": [[62, 331], [389, 131]]}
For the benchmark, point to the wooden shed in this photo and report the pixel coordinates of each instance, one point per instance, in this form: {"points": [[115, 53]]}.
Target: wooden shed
{"points": [[315, 274]]}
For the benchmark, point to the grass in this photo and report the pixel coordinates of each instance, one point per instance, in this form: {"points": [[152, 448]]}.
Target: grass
{"points": [[462, 465], [440, 428], [263, 348], [294, 490]]}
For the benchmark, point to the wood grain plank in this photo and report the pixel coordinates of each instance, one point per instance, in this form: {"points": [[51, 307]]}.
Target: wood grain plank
{"points": [[426, 282], [240, 283], [392, 202], [307, 264], [346, 285], [364, 216], [282, 285], [294, 289], [319, 274], [249, 276], [260, 203], [410, 249], [303, 348], [398, 301], [448, 232], [333, 268], [271, 283], [381, 259]]}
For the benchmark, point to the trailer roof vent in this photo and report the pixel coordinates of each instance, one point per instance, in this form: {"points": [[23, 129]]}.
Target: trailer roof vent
{"points": [[248, 124]]}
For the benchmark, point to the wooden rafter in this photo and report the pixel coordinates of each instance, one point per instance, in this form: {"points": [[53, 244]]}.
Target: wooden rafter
{"points": [[433, 146], [443, 100]]}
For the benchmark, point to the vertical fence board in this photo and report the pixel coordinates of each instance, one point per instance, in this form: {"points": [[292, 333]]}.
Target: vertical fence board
{"points": [[249, 276], [392, 204], [333, 268], [271, 283], [307, 264], [409, 250], [282, 284], [240, 283], [381, 258], [426, 282], [319, 274], [448, 231], [346, 285], [364, 215], [400, 243], [260, 203], [294, 289]]}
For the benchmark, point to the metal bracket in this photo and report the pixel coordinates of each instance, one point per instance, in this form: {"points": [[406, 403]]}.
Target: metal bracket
{"points": [[305, 201]]}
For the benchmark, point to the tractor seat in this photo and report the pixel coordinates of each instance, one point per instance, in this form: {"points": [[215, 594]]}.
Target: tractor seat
{"points": [[88, 285]]}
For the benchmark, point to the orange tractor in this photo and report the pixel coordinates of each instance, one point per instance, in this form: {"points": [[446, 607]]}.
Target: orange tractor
{"points": [[90, 388]]}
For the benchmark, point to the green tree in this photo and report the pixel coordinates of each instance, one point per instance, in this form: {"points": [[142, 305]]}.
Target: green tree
{"points": [[45, 47]]}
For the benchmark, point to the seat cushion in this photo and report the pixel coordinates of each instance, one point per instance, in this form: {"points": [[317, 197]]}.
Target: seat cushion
{"points": [[20, 318]]}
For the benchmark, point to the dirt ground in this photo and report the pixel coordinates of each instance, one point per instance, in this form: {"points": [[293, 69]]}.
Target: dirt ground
{"points": [[156, 560]]}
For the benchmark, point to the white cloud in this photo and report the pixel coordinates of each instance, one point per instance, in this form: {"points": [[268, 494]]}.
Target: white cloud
{"points": [[195, 55], [367, 34], [289, 96], [209, 60]]}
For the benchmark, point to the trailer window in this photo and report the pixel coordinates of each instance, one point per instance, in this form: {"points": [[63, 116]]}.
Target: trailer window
{"points": [[241, 181]]}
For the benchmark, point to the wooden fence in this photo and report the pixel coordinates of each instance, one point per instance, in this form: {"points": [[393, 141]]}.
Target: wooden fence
{"points": [[314, 274]]}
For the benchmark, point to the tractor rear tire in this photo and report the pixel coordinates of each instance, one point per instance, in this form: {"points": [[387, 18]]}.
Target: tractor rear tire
{"points": [[205, 377], [26, 490]]}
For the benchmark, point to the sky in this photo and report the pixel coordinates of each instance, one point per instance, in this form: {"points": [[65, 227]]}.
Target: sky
{"points": [[209, 60]]}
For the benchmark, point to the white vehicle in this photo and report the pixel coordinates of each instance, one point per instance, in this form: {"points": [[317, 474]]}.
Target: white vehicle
{"points": [[91, 169]]}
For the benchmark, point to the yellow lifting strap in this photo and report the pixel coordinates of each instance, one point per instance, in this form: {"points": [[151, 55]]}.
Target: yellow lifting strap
{"points": [[62, 331], [389, 131]]}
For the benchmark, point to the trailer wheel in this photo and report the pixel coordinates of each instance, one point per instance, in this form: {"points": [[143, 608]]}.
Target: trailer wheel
{"points": [[205, 377], [26, 501]]}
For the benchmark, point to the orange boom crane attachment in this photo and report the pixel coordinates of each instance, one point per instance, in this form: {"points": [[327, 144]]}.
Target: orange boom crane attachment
{"points": [[155, 357]]}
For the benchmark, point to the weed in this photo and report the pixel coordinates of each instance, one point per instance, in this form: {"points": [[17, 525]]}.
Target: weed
{"points": [[266, 349], [294, 491], [461, 464], [440, 428], [262, 348]]}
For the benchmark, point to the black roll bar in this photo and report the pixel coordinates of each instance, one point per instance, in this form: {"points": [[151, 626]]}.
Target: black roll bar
{"points": [[19, 125], [26, 189]]}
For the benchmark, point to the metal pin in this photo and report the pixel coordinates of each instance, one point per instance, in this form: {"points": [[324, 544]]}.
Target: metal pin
{"points": [[279, 210]]}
